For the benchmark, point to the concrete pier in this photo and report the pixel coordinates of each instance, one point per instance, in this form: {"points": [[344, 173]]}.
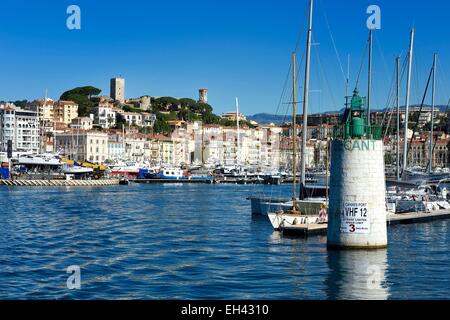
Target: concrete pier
{"points": [[148, 181], [59, 183]]}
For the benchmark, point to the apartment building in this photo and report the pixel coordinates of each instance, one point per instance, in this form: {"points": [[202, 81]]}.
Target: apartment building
{"points": [[65, 111], [83, 123], [21, 127], [83, 145]]}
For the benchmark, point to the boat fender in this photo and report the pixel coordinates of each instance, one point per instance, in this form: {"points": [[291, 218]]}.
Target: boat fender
{"points": [[323, 215]]}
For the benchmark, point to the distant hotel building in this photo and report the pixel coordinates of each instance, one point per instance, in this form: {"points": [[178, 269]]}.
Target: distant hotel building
{"points": [[118, 89], [233, 116]]}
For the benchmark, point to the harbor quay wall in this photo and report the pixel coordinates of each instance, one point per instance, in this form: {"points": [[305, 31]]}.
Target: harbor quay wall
{"points": [[357, 212], [59, 183]]}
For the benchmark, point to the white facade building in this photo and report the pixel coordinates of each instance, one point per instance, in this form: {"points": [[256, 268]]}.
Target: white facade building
{"points": [[105, 116], [21, 127], [77, 145], [83, 123]]}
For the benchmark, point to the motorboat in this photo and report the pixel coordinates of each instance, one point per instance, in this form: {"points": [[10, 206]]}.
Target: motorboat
{"points": [[128, 168], [74, 169], [46, 159], [177, 174]]}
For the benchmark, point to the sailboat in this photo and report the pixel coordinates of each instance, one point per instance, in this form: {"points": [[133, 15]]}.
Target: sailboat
{"points": [[299, 211], [238, 166], [410, 174], [263, 205]]}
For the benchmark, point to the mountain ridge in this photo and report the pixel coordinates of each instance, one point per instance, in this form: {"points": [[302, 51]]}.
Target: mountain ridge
{"points": [[266, 118]]}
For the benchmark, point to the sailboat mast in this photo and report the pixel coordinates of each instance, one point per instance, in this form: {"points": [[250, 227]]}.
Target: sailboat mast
{"points": [[398, 115], [294, 133], [42, 124], [238, 132], [326, 177], [306, 94], [408, 88], [369, 82], [123, 141], [203, 139], [347, 81], [433, 95]]}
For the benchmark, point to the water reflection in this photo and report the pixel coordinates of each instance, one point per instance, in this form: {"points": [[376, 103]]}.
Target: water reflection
{"points": [[357, 275]]}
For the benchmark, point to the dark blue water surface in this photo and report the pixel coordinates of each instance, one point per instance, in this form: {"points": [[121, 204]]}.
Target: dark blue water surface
{"points": [[197, 242]]}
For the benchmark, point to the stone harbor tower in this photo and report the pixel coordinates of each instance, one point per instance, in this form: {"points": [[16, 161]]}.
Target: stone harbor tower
{"points": [[118, 89], [357, 212], [203, 95]]}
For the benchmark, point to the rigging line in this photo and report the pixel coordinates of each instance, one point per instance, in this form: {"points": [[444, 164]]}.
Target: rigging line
{"points": [[420, 111], [441, 76], [362, 64], [416, 71], [392, 107], [283, 93], [392, 95], [301, 30], [386, 70], [334, 46], [290, 100], [299, 38], [284, 89], [316, 51], [440, 129], [380, 49]]}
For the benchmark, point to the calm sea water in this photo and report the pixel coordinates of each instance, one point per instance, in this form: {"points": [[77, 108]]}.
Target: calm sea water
{"points": [[197, 242]]}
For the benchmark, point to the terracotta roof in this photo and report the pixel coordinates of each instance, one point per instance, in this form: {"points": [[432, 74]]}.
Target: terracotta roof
{"points": [[62, 102], [80, 131]]}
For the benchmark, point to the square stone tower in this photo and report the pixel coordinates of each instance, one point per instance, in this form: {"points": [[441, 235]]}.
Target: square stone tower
{"points": [[203, 95], [118, 89]]}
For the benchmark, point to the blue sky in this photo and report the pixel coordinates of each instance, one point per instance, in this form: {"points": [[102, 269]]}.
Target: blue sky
{"points": [[234, 48]]}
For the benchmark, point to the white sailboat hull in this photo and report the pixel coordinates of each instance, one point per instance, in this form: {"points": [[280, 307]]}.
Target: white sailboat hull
{"points": [[307, 206], [280, 220]]}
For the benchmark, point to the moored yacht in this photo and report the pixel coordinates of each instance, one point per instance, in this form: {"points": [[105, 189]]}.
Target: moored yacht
{"points": [[46, 159], [126, 168], [75, 169], [177, 174]]}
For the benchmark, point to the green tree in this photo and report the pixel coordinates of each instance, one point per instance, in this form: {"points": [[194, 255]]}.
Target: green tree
{"points": [[201, 107], [188, 115], [161, 124], [87, 91], [82, 96], [187, 103], [120, 121], [128, 108], [21, 103], [211, 118]]}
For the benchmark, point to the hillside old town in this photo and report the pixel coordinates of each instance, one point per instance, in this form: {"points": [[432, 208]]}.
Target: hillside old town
{"points": [[177, 132]]}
